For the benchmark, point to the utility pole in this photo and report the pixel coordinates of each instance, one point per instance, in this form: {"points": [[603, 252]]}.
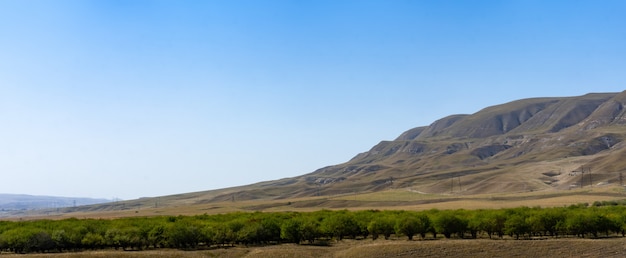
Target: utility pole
{"points": [[621, 179], [582, 176], [590, 179], [318, 188], [460, 188]]}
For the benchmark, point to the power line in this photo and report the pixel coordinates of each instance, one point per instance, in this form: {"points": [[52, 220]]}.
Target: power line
{"points": [[452, 184]]}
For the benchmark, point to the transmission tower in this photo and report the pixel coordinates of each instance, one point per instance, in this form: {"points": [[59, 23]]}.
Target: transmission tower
{"points": [[451, 184], [582, 175]]}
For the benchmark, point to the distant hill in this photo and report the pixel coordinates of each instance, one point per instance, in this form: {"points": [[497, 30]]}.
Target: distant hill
{"points": [[15, 202], [537, 144]]}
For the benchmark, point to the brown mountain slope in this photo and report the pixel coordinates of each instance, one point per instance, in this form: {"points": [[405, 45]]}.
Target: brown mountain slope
{"points": [[503, 148], [522, 146]]}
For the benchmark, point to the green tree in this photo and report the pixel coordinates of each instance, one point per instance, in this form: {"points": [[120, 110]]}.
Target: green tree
{"points": [[310, 230], [449, 223], [341, 224], [268, 230], [577, 223], [39, 242], [516, 225], [220, 234], [411, 224], [156, 236], [474, 220], [291, 231], [363, 219], [549, 219], [61, 239], [93, 241], [184, 234], [600, 223], [382, 225], [113, 238], [16, 240]]}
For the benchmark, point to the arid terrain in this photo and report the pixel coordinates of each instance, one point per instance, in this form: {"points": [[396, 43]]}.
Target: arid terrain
{"points": [[397, 199], [393, 248], [532, 152]]}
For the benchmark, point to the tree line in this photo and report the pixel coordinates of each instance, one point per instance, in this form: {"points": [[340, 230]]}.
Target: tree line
{"points": [[259, 228]]}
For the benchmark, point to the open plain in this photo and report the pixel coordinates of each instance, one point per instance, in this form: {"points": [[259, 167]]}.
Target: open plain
{"points": [[396, 199]]}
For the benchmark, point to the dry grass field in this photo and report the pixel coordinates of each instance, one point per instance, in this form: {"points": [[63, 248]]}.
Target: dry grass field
{"points": [[397, 199], [613, 247]]}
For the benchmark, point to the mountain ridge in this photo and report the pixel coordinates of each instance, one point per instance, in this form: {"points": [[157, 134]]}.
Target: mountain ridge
{"points": [[565, 130], [13, 202], [535, 144]]}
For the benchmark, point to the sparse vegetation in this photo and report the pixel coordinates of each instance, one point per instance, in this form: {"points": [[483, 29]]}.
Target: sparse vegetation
{"points": [[254, 229]]}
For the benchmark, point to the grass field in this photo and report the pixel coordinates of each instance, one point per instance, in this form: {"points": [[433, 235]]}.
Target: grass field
{"points": [[397, 199]]}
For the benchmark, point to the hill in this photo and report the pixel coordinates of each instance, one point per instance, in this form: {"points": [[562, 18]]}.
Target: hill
{"points": [[524, 146], [18, 203]]}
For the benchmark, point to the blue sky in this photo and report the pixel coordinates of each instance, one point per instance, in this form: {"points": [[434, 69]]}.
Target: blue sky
{"points": [[146, 98]]}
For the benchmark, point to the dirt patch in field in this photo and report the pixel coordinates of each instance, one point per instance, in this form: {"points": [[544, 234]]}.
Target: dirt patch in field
{"points": [[490, 248], [568, 247]]}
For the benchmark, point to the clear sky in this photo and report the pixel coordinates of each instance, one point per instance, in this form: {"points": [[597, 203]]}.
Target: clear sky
{"points": [[136, 98]]}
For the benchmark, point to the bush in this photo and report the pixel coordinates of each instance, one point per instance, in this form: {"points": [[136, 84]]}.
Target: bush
{"points": [[411, 224], [341, 224], [383, 225], [449, 223]]}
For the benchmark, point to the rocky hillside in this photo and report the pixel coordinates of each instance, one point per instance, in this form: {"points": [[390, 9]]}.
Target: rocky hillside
{"points": [[525, 145]]}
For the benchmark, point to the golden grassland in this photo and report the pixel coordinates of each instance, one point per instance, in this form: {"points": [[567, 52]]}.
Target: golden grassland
{"points": [[567, 247], [397, 199]]}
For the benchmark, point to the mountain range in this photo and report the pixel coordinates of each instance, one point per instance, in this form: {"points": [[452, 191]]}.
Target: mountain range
{"points": [[14, 202]]}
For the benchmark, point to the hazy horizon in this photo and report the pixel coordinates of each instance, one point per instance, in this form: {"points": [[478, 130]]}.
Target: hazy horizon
{"points": [[129, 99]]}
